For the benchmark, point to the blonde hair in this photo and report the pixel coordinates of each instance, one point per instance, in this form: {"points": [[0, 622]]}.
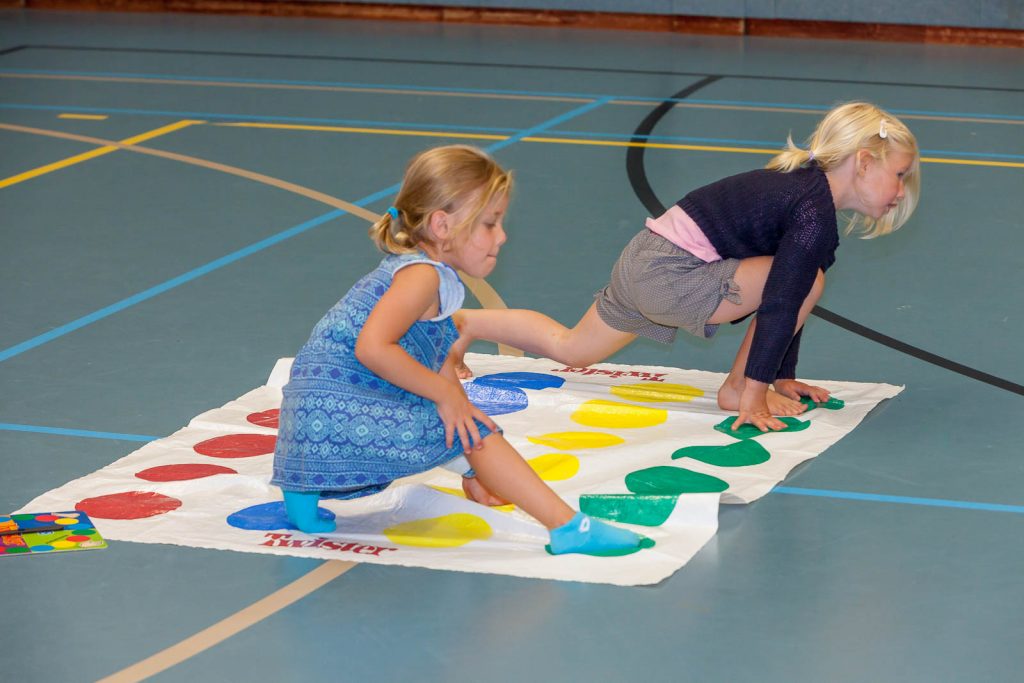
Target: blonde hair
{"points": [[845, 130], [443, 178]]}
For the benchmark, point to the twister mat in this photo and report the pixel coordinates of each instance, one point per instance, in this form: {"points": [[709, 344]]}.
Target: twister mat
{"points": [[644, 446]]}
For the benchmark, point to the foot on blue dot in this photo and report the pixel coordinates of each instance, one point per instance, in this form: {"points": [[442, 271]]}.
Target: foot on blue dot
{"points": [[303, 512]]}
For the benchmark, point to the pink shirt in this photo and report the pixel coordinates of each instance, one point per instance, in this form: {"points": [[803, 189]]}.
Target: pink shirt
{"points": [[679, 229]]}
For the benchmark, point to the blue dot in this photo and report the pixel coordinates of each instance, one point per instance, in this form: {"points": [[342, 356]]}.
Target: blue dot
{"points": [[521, 380], [496, 400], [41, 548], [268, 517]]}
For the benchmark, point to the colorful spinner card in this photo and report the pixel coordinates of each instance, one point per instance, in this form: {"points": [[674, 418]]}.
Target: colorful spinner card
{"points": [[47, 532]]}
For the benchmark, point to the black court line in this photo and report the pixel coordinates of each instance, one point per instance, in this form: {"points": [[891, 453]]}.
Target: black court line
{"points": [[638, 179], [12, 49], [498, 65], [635, 155], [916, 352]]}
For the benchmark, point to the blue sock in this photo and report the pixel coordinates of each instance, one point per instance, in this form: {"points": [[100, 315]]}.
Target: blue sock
{"points": [[588, 536], [302, 512]]}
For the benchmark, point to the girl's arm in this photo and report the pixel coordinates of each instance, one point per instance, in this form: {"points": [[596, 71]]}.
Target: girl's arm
{"points": [[412, 297]]}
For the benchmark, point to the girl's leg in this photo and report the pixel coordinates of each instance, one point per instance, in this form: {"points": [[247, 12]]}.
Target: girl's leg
{"points": [[751, 276], [301, 507], [732, 389], [504, 473], [589, 342]]}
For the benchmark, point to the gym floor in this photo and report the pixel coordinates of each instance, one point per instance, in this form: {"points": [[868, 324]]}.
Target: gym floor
{"points": [[141, 290]]}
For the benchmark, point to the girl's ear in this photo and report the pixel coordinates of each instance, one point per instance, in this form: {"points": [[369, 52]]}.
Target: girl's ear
{"points": [[864, 159], [440, 228]]}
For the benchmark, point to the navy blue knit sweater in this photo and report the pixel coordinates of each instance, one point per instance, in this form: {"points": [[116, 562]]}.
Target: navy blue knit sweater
{"points": [[790, 216]]}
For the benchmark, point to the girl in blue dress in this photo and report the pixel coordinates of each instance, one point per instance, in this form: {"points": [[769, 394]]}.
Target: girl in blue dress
{"points": [[373, 395]]}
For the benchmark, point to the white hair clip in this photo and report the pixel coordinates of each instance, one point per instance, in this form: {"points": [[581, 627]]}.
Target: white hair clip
{"points": [[882, 132]]}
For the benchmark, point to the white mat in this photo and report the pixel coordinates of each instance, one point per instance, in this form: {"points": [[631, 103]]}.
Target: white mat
{"points": [[595, 435]]}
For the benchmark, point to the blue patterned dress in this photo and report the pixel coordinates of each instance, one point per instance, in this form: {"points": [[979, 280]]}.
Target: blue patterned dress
{"points": [[345, 431]]}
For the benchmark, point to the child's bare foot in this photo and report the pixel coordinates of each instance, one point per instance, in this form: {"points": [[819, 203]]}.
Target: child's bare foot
{"points": [[476, 492], [729, 399]]}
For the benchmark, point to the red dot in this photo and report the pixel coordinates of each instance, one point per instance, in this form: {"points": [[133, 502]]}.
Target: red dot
{"points": [[46, 518], [182, 472], [128, 505], [268, 418], [237, 445], [77, 539]]}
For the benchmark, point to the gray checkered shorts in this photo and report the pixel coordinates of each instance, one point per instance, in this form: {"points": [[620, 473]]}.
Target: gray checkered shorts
{"points": [[657, 288]]}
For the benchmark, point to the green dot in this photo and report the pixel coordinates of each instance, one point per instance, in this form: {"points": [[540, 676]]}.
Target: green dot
{"points": [[832, 403], [672, 481], [737, 454], [629, 508], [748, 431]]}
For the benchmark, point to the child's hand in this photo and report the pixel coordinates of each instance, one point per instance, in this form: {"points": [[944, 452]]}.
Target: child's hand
{"points": [[794, 389], [754, 408], [459, 417]]}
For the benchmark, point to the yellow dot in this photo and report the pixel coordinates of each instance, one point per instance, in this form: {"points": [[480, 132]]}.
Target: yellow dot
{"points": [[657, 393], [61, 545], [600, 413], [555, 466], [569, 441], [447, 531], [66, 520]]}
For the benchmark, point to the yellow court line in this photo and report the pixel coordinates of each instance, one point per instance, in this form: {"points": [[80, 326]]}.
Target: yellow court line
{"points": [[576, 141], [972, 162], [84, 117], [816, 112], [92, 154], [142, 137], [57, 165]]}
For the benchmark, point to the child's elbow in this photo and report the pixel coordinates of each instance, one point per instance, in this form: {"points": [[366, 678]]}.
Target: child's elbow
{"points": [[364, 351]]}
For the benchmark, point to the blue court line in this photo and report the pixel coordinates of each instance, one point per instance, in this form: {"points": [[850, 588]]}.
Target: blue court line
{"points": [[59, 431], [902, 500], [487, 91], [788, 490], [163, 287], [548, 124], [259, 246], [455, 129]]}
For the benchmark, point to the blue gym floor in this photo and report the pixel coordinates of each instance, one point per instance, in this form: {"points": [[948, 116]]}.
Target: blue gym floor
{"points": [[140, 291]]}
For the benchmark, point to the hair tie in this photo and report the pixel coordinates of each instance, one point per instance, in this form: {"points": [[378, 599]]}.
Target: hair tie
{"points": [[394, 213], [882, 132], [810, 155]]}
